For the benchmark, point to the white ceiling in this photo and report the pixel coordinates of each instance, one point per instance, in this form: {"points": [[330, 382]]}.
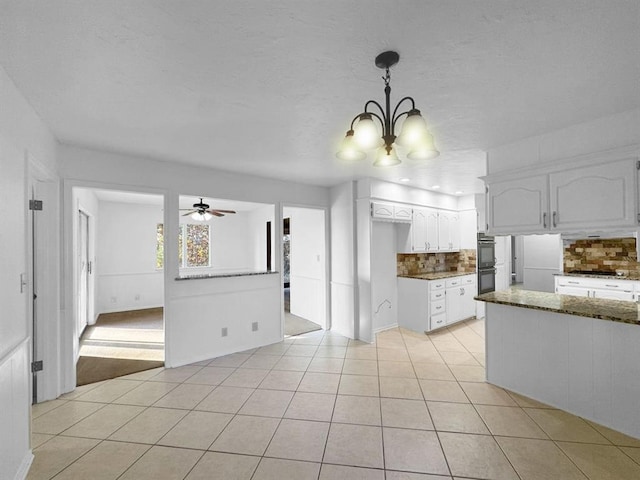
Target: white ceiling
{"points": [[269, 88]]}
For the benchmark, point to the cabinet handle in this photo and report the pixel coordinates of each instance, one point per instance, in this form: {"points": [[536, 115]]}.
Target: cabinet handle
{"points": [[461, 291], [612, 286], [555, 218], [574, 283], [544, 220]]}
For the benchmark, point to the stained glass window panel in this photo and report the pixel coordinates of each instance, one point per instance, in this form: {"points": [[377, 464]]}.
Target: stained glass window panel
{"points": [[197, 245]]}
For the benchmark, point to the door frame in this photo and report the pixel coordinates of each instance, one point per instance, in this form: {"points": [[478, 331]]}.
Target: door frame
{"points": [[327, 257]]}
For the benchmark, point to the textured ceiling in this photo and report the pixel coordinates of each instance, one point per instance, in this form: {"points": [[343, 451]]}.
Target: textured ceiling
{"points": [[269, 87]]}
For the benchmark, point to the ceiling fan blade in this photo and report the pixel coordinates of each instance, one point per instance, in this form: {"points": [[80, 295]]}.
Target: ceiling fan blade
{"points": [[222, 211], [188, 213], [216, 213]]}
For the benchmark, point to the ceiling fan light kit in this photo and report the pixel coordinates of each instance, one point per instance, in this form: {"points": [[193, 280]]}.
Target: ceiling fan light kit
{"points": [[201, 212], [364, 134]]}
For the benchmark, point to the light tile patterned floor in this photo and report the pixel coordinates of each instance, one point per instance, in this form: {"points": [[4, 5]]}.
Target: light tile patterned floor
{"points": [[322, 407]]}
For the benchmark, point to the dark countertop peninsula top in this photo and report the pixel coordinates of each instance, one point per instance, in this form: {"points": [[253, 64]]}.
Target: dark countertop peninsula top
{"points": [[224, 275], [614, 310], [436, 275]]}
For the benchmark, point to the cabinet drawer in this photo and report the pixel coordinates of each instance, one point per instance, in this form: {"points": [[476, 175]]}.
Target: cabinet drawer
{"points": [[438, 321], [468, 280], [437, 295], [438, 307], [436, 285], [454, 282]]}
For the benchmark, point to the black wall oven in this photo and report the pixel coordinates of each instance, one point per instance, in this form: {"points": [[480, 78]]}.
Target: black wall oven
{"points": [[486, 258]]}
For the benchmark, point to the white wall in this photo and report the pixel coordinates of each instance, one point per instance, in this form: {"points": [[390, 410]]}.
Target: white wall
{"points": [[604, 133], [23, 138], [343, 286], [257, 236], [384, 290], [126, 257], [307, 264], [542, 259], [193, 327]]}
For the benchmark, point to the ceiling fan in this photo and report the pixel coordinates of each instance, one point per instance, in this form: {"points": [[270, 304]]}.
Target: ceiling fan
{"points": [[201, 211]]}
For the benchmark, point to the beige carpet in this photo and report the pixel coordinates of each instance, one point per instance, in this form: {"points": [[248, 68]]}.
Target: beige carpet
{"points": [[121, 343]]}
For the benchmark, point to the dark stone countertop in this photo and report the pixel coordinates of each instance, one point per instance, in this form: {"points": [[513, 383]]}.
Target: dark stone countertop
{"points": [[613, 310], [223, 275], [436, 275]]}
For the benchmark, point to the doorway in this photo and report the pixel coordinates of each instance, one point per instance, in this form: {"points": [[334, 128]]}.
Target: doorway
{"points": [[304, 270], [119, 286]]}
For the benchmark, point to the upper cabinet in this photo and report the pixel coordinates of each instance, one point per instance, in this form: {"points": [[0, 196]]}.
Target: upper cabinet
{"points": [[434, 230], [390, 212], [591, 197]]}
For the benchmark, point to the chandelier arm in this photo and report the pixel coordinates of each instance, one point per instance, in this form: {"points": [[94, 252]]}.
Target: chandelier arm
{"points": [[384, 114], [396, 118], [413, 106]]}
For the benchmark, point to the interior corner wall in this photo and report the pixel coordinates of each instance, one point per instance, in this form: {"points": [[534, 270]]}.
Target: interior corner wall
{"points": [[384, 291], [22, 135], [598, 135], [343, 287]]}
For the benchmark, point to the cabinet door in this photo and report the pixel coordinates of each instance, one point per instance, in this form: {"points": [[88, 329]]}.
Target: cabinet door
{"points": [[444, 231], [468, 303], [454, 231], [596, 196], [402, 214], [455, 303], [518, 206], [381, 210], [419, 230], [432, 230]]}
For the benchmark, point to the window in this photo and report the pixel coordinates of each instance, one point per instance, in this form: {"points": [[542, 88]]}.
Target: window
{"points": [[194, 252]]}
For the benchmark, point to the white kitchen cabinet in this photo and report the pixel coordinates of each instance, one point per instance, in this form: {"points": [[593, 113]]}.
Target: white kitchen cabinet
{"points": [[612, 289], [432, 232], [564, 199], [425, 305], [594, 197], [419, 230], [518, 206], [448, 231], [390, 212]]}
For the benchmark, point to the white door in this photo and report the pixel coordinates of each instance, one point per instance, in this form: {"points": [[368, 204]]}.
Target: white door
{"points": [[432, 230], [84, 267], [444, 231]]}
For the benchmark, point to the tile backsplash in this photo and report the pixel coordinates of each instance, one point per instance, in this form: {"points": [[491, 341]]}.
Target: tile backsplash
{"points": [[417, 263], [606, 255]]}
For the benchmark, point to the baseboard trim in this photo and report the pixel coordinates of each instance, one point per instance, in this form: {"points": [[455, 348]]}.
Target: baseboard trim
{"points": [[23, 471], [385, 328]]}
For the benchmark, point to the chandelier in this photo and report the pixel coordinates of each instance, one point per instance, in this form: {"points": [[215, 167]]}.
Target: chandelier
{"points": [[364, 134]]}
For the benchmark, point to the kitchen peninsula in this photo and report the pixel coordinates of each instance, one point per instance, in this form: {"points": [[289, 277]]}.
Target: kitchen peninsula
{"points": [[578, 354]]}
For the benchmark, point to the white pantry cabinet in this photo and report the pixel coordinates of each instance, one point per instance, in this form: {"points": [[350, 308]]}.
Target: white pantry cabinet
{"points": [[584, 197], [425, 305]]}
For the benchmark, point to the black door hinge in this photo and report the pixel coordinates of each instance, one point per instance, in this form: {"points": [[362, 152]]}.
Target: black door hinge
{"points": [[35, 204], [36, 366]]}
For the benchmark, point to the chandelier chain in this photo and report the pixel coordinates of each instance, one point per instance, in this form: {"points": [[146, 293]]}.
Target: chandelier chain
{"points": [[387, 78]]}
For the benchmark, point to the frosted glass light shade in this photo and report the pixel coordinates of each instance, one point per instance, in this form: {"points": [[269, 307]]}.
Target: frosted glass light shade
{"points": [[425, 150], [366, 133], [386, 159], [349, 149], [414, 129], [201, 217]]}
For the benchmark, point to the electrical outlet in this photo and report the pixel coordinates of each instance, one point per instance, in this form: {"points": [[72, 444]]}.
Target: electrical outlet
{"points": [[137, 297], [114, 299], [224, 331], [254, 327]]}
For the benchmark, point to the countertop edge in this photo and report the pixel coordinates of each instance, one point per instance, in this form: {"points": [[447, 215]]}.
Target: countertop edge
{"points": [[223, 275], [602, 309], [436, 275]]}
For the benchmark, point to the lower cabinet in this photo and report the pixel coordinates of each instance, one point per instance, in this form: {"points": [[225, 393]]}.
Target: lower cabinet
{"points": [[425, 305], [611, 289]]}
